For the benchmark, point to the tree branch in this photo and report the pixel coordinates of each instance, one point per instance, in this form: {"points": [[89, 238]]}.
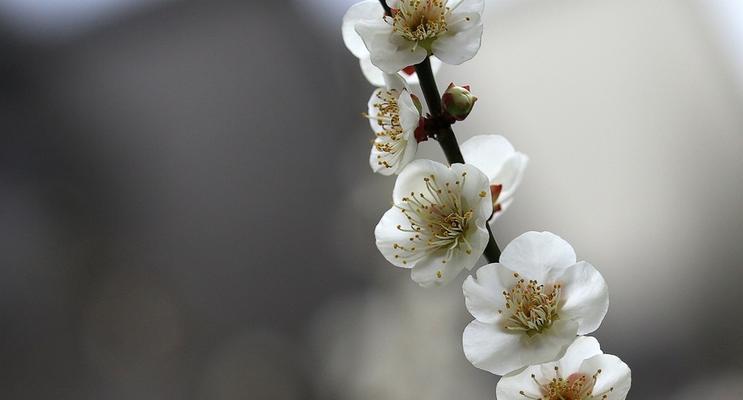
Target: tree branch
{"points": [[444, 134]]}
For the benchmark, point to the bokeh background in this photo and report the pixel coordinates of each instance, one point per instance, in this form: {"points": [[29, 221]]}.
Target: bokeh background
{"points": [[186, 209]]}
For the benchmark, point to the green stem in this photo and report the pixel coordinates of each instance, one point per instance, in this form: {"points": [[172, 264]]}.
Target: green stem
{"points": [[444, 134]]}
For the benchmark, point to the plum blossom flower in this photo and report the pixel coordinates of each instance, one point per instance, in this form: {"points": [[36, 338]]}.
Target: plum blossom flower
{"points": [[450, 30], [436, 226], [394, 118], [502, 164], [530, 306], [584, 373], [356, 46]]}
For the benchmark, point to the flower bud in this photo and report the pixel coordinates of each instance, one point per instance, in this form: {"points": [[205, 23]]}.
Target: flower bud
{"points": [[458, 101]]}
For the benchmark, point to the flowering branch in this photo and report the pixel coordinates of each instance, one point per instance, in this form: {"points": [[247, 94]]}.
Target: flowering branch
{"points": [[534, 303], [444, 134]]}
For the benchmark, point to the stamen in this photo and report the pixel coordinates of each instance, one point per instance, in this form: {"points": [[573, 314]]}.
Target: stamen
{"points": [[389, 141], [533, 309], [420, 20], [438, 220], [576, 386]]}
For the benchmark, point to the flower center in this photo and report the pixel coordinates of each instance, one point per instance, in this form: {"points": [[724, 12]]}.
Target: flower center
{"points": [[388, 117], [533, 307], [438, 220], [576, 387], [420, 20]]}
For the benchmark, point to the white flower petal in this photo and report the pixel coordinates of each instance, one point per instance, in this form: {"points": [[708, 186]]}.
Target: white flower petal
{"points": [[374, 75], [388, 54], [534, 254], [432, 272], [551, 344], [483, 296], [510, 175], [373, 111], [394, 82], [586, 296], [409, 153], [375, 156], [409, 116], [509, 387], [488, 153], [582, 348], [411, 178], [496, 350], [460, 22], [456, 48], [467, 6], [358, 12], [615, 375], [478, 237], [387, 235], [475, 186], [487, 347]]}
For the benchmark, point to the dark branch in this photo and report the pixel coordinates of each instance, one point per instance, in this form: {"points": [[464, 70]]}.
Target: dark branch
{"points": [[445, 136], [387, 9]]}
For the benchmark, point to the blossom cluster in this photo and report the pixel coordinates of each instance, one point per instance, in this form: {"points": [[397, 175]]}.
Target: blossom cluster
{"points": [[533, 303]]}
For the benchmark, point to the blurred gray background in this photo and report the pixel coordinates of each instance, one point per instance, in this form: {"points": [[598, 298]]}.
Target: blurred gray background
{"points": [[186, 209]]}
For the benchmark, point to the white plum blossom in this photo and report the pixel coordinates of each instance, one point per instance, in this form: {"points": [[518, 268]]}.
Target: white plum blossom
{"points": [[501, 163], [394, 118], [356, 46], [584, 373], [449, 30], [437, 224], [529, 307]]}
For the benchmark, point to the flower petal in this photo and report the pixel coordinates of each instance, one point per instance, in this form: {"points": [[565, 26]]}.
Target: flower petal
{"points": [[387, 54], [489, 348], [510, 387], [582, 348], [456, 48], [586, 296], [483, 296], [534, 254], [467, 6], [375, 162], [367, 9], [394, 82], [388, 236], [475, 186], [492, 348], [430, 271], [411, 178], [615, 375], [409, 115], [488, 153], [374, 75], [373, 111], [510, 175]]}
